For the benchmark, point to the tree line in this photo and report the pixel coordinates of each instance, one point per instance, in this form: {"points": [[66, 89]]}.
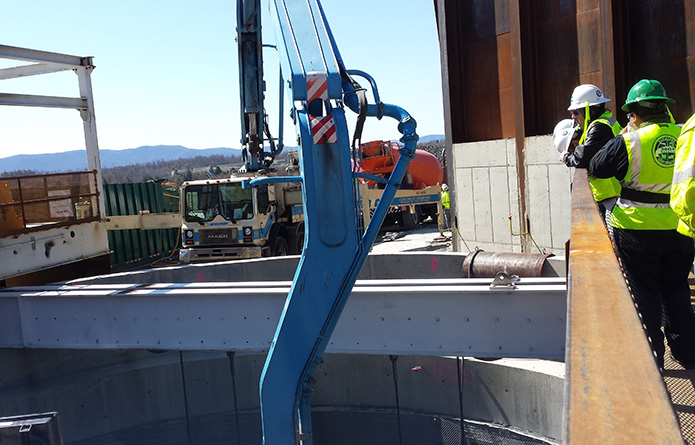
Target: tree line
{"points": [[188, 169]]}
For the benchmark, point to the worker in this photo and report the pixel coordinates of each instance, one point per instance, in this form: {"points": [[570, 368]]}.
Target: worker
{"points": [[595, 126], [446, 206], [683, 185], [656, 259]]}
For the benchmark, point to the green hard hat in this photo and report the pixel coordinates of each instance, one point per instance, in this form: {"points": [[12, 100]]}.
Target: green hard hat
{"points": [[646, 89]]}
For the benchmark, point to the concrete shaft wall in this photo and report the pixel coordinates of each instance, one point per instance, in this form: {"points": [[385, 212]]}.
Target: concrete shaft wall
{"points": [[486, 194], [149, 397]]}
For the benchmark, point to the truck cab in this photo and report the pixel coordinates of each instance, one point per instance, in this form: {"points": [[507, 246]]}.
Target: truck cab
{"points": [[222, 220]]}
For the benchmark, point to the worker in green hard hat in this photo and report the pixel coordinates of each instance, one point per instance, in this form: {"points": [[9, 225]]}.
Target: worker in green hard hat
{"points": [[656, 259]]}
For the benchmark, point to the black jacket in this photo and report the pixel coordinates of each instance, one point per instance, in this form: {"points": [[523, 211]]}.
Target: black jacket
{"points": [[611, 161], [597, 137]]}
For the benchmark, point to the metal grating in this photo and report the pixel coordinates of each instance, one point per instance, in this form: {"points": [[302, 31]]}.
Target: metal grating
{"points": [[681, 385]]}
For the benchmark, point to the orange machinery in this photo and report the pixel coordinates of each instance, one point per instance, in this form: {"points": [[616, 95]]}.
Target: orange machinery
{"points": [[379, 158]]}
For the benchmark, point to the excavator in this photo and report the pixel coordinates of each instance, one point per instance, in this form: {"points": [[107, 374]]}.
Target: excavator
{"points": [[321, 89]]}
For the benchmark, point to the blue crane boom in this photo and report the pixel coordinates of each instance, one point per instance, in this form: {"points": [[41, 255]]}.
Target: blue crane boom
{"points": [[335, 247], [251, 90]]}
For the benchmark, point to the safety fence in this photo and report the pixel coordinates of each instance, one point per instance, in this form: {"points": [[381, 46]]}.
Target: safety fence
{"points": [[614, 391], [34, 203], [136, 248]]}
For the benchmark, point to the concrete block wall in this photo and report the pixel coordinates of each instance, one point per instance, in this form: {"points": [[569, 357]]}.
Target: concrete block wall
{"points": [[486, 195]]}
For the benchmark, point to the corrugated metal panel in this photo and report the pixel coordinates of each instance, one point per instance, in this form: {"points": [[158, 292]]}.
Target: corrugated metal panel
{"points": [[136, 248]]}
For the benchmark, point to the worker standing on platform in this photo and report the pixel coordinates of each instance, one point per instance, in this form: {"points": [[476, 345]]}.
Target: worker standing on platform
{"points": [[596, 126], [656, 259]]}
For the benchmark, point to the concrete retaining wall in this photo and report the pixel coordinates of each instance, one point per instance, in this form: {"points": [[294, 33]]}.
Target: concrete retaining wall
{"points": [[141, 397], [486, 194], [377, 266]]}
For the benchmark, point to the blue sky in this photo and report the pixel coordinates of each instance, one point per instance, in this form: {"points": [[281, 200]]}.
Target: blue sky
{"points": [[166, 70]]}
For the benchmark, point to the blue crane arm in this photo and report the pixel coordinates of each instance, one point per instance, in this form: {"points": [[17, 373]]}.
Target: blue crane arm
{"points": [[254, 124], [334, 247]]}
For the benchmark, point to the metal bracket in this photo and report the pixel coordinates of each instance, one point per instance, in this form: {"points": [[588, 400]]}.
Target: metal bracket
{"points": [[504, 280]]}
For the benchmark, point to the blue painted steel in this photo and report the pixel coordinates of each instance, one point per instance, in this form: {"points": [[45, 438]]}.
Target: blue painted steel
{"points": [[311, 47], [250, 183], [375, 178], [251, 89], [333, 250]]}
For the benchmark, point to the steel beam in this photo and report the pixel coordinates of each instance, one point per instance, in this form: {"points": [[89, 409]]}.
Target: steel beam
{"points": [[33, 55], [519, 122], [33, 70], [28, 100], [458, 317], [614, 391], [144, 220]]}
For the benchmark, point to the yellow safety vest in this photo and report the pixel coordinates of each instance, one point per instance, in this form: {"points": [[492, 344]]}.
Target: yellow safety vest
{"points": [[646, 187], [604, 188], [683, 184], [445, 199]]}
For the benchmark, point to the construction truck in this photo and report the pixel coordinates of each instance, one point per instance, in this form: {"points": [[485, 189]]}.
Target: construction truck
{"points": [[420, 190], [222, 220]]}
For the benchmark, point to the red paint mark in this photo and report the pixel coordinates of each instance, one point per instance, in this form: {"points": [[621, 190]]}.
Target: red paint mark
{"points": [[417, 368], [434, 264], [446, 370], [201, 277]]}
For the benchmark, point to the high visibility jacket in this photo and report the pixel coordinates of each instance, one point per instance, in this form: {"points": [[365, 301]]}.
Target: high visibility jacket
{"points": [[445, 199], [646, 187], [604, 188], [683, 185]]}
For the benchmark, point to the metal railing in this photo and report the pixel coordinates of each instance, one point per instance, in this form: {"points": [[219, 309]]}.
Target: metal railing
{"points": [[34, 203], [614, 391]]}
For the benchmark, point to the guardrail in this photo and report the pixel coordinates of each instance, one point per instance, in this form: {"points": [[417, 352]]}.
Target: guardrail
{"points": [[614, 391], [34, 203]]}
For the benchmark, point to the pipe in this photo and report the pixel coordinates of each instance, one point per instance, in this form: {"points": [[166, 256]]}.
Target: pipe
{"points": [[480, 264]]}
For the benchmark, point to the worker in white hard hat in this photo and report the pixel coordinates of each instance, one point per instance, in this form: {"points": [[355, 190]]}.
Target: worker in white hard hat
{"points": [[446, 206], [595, 125]]}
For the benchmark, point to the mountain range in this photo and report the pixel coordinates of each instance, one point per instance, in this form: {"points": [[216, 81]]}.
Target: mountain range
{"points": [[76, 160]]}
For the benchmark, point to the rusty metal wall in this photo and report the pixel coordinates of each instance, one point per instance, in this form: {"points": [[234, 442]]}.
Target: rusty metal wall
{"points": [[549, 61], [653, 45], [473, 63], [612, 43]]}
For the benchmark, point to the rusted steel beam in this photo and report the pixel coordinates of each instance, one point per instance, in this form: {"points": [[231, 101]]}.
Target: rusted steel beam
{"points": [[614, 391], [607, 62], [595, 44], [689, 6], [519, 123]]}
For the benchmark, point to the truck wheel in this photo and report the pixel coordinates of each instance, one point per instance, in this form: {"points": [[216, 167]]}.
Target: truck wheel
{"points": [[280, 247], [296, 240], [411, 220]]}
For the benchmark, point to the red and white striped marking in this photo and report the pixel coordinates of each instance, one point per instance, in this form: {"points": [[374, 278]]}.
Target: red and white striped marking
{"points": [[316, 86], [323, 130]]}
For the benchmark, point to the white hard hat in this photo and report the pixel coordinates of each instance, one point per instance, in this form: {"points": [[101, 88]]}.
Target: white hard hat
{"points": [[584, 94], [445, 187], [562, 134]]}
